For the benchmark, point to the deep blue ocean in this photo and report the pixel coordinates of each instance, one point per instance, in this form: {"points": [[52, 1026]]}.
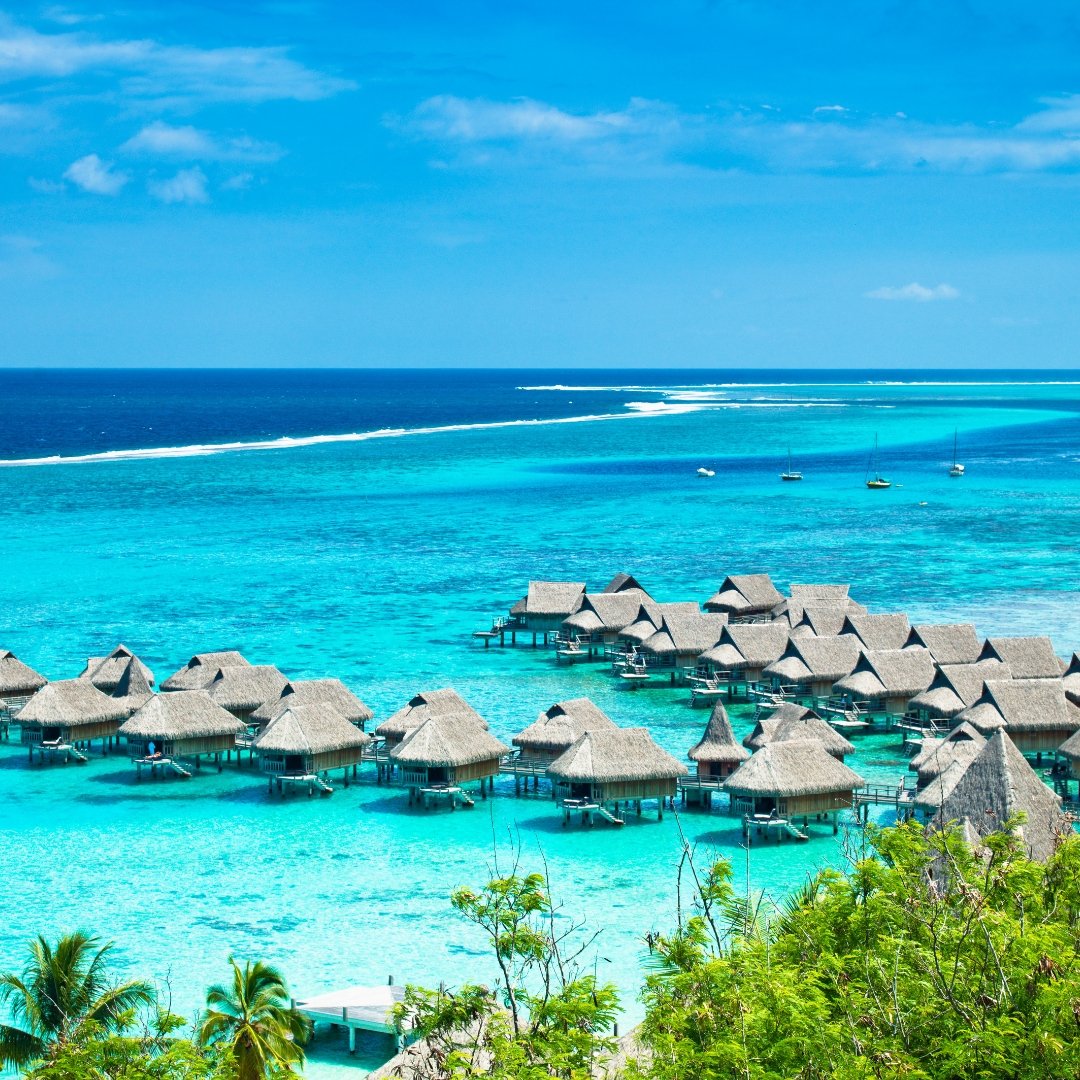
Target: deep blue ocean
{"points": [[370, 552]]}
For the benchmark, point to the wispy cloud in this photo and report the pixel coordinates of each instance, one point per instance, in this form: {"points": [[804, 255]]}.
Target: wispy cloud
{"points": [[187, 186], [189, 143], [96, 176], [150, 71], [239, 182], [914, 291], [478, 120], [21, 257]]}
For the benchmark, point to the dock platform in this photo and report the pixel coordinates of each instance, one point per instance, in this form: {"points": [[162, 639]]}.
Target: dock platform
{"points": [[367, 1008]]}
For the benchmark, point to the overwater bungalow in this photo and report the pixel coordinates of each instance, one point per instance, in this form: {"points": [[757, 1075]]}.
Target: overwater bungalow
{"points": [[955, 643], [1034, 712], [745, 650], [178, 726], [18, 682], [311, 692], [65, 716], [132, 691], [810, 665], [105, 671], [821, 618], [305, 742], [877, 631], [242, 689], [819, 592], [625, 583], [546, 605], [681, 639], [793, 779], [962, 744], [602, 616], [990, 791], [792, 722], [1071, 679], [422, 707], [606, 768], [747, 597], [555, 731], [954, 688], [885, 680], [444, 753], [199, 671], [649, 619], [717, 753], [1027, 657]]}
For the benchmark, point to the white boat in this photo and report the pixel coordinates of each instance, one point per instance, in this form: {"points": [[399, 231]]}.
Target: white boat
{"points": [[791, 474], [956, 470], [705, 472], [879, 481]]}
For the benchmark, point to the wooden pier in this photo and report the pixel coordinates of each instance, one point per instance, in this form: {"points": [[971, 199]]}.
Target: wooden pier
{"points": [[781, 826], [364, 1008]]}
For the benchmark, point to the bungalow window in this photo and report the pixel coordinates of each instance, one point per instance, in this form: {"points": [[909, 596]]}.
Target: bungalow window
{"points": [[436, 774], [294, 763]]}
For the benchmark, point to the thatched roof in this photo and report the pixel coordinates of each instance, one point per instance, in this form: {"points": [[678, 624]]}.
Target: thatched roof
{"points": [[183, 714], [883, 673], [562, 725], [448, 741], [793, 728], [606, 611], [955, 643], [1071, 746], [819, 592], [1027, 657], [747, 645], [310, 729], [554, 598], [745, 594], [956, 686], [132, 690], [309, 692], [246, 687], [962, 745], [622, 582], [520, 607], [785, 769], [614, 756], [930, 748], [200, 670], [105, 671], [821, 618], [1071, 679], [878, 631], [16, 677], [445, 702], [942, 784], [1023, 705], [765, 728], [686, 635], [71, 701], [816, 659], [718, 743], [998, 784]]}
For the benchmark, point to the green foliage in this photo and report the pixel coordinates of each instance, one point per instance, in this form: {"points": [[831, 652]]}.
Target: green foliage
{"points": [[922, 960], [254, 1018]]}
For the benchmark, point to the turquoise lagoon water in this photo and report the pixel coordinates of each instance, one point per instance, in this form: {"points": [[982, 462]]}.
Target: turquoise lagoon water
{"points": [[374, 561]]}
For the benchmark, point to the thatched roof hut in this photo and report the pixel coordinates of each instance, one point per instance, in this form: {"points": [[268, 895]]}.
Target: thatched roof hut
{"points": [[451, 749], [1035, 713], [793, 727], [888, 677], [955, 643], [820, 618], [955, 687], [1027, 657], [1071, 679], [311, 692], [717, 753], [199, 671], [70, 710], [747, 648], [306, 740], [445, 702], [819, 592], [603, 615], [650, 617], [548, 603], [183, 724], [625, 583], [133, 691], [797, 777], [556, 730], [962, 744], [815, 663], [244, 688], [681, 638], [877, 631], [744, 595], [613, 765], [105, 671], [997, 785], [17, 680]]}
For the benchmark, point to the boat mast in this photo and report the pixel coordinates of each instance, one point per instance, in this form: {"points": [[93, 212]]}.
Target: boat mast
{"points": [[954, 447]]}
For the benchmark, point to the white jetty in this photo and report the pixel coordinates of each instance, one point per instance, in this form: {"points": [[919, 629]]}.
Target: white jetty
{"points": [[370, 1008]]}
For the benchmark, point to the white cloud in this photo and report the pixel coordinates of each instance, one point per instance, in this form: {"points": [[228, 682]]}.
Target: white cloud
{"points": [[150, 70], [188, 185], [914, 291], [47, 187], [96, 176], [188, 142], [20, 258], [830, 108], [62, 15], [240, 182]]}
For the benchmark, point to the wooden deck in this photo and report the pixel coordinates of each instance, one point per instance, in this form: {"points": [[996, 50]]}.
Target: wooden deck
{"points": [[364, 1008]]}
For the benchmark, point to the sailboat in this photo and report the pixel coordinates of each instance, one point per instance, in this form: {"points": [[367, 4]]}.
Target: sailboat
{"points": [[956, 470], [879, 481], [791, 474]]}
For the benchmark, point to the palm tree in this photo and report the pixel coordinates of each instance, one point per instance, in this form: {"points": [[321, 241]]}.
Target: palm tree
{"points": [[62, 988], [255, 1018]]}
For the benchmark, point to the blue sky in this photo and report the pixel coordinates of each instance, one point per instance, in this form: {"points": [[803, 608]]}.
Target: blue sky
{"points": [[467, 184]]}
